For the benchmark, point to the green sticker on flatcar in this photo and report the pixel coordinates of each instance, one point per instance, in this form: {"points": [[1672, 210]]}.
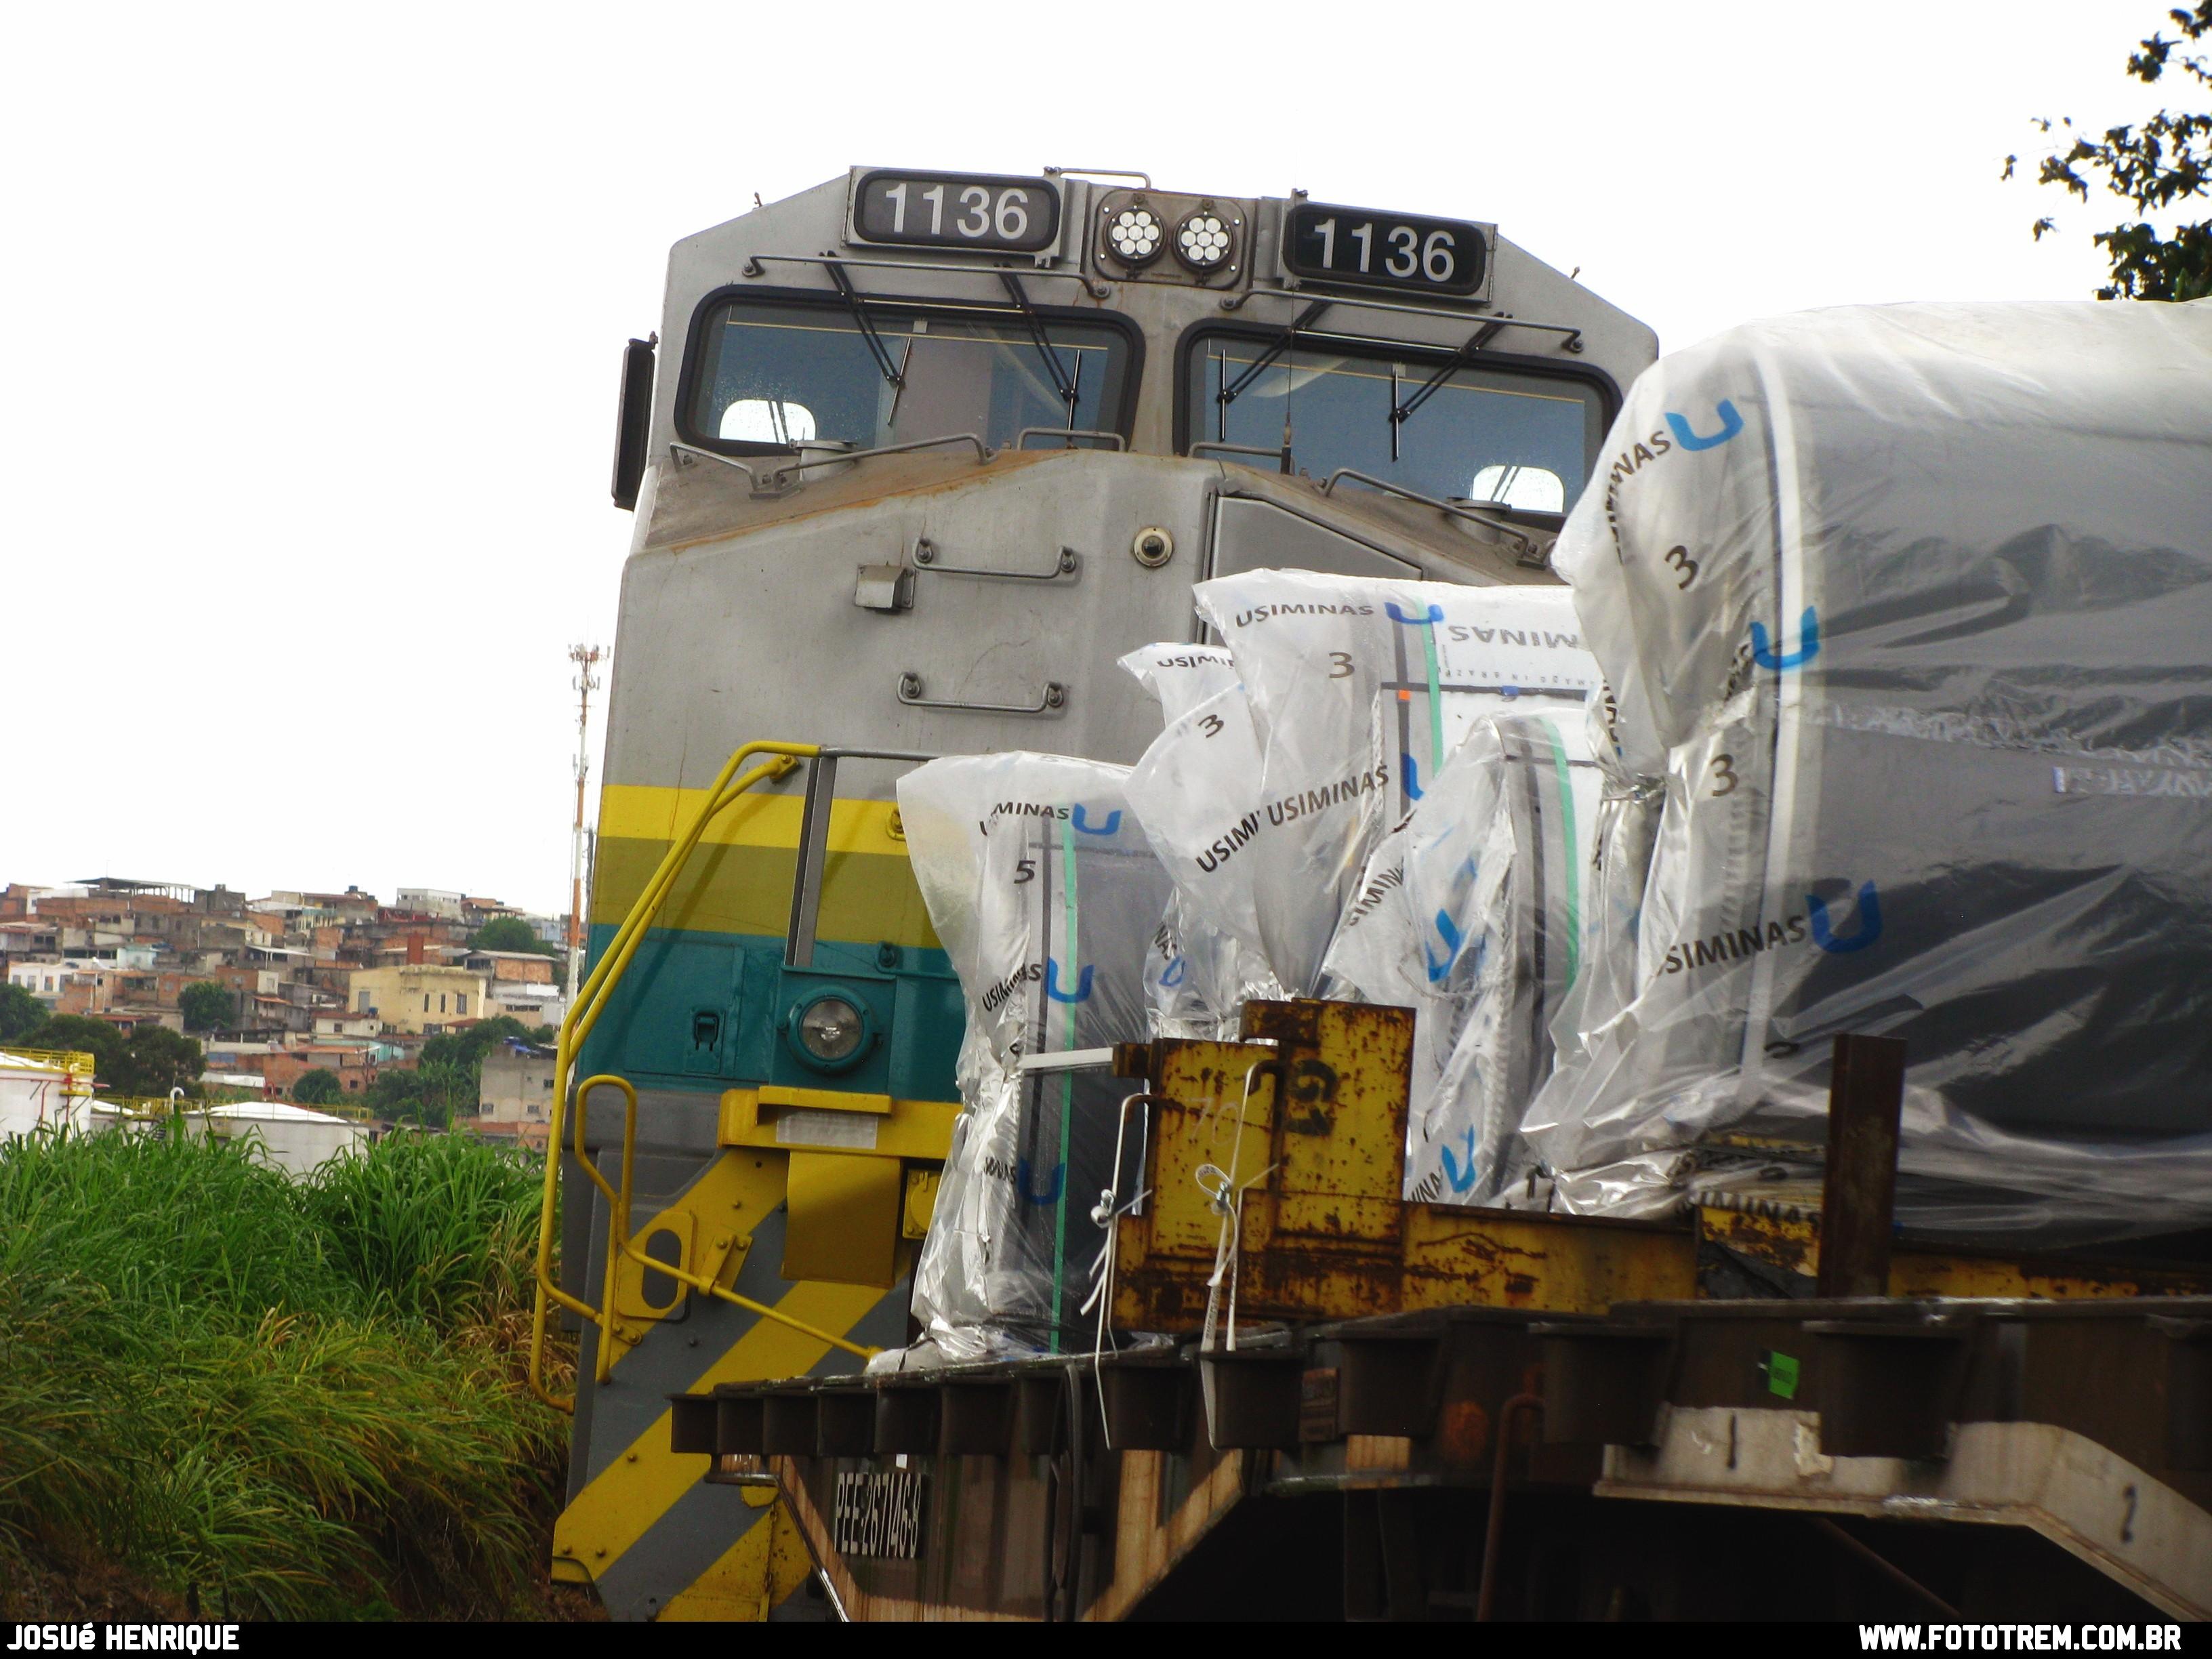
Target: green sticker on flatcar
{"points": [[1782, 1375]]}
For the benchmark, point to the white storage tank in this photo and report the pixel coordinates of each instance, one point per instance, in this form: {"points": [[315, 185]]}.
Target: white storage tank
{"points": [[42, 1090], [299, 1140]]}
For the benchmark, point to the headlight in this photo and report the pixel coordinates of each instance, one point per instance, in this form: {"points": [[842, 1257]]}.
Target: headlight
{"points": [[1202, 240], [1136, 235], [831, 1031]]}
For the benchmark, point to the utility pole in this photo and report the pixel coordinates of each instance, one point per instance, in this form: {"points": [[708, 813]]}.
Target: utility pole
{"points": [[587, 657]]}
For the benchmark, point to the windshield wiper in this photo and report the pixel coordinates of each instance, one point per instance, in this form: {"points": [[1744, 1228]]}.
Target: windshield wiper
{"points": [[1061, 383], [866, 325], [1401, 413], [1289, 337]]}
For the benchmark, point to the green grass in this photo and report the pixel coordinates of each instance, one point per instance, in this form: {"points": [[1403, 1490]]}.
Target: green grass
{"points": [[437, 1227], [255, 1397]]}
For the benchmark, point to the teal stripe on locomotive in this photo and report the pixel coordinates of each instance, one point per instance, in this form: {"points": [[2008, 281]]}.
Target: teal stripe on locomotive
{"points": [[706, 1010]]}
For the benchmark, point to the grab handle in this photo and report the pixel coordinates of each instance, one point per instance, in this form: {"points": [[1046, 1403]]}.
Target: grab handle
{"points": [[912, 693]]}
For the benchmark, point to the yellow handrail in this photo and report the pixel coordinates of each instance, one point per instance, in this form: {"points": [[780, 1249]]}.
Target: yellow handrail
{"points": [[618, 1199], [71, 1062], [583, 1014]]}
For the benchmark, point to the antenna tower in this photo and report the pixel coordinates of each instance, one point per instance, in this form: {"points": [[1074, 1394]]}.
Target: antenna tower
{"points": [[587, 659]]}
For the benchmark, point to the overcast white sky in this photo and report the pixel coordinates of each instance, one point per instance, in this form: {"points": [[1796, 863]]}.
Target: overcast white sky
{"points": [[312, 316]]}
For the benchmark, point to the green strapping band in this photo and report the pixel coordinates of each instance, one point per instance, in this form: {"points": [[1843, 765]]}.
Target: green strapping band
{"points": [[1067, 1078], [1574, 856], [1436, 703]]}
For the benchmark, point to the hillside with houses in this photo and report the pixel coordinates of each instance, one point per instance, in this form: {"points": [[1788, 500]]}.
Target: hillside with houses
{"points": [[437, 1007]]}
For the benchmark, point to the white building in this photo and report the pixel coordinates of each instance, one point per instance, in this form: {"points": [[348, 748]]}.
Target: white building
{"points": [[45, 980], [516, 1083], [251, 1082], [533, 1004], [430, 901]]}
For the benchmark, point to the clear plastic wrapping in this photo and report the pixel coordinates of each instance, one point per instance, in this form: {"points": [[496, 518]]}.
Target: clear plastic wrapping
{"points": [[1181, 676], [1472, 912], [1195, 790], [1905, 608], [1049, 900], [1619, 846], [1200, 975], [1265, 798]]}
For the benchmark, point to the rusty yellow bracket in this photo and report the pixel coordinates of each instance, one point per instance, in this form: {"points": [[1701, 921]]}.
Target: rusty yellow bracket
{"points": [[1323, 1232], [584, 1012]]}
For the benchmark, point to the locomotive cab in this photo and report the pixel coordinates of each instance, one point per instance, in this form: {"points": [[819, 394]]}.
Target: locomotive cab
{"points": [[876, 312], [915, 459]]}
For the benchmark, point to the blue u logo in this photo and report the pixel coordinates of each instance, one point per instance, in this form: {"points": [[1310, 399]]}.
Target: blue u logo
{"points": [[1412, 775], [1082, 992], [1461, 1178], [1447, 930], [1731, 423], [1869, 922], [1436, 615], [1808, 644], [1171, 976], [1051, 1194], [1113, 822]]}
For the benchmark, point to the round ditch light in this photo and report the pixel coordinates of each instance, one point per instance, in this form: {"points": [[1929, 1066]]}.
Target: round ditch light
{"points": [[1202, 240], [830, 1031], [1136, 235], [1154, 546]]}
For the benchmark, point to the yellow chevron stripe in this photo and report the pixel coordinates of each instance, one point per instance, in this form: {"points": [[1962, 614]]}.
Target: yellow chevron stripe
{"points": [[624, 1501], [751, 1577], [639, 1487]]}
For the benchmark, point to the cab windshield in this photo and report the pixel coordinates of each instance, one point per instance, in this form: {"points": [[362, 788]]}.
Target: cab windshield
{"points": [[780, 374], [1482, 435]]}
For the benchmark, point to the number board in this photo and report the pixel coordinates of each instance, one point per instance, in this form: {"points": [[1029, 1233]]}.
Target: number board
{"points": [[878, 1513], [1326, 244], [985, 211]]}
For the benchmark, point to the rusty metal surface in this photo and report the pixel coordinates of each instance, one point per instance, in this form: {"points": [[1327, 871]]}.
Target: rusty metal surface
{"points": [[1227, 1101], [991, 1525], [1316, 1144], [992, 1528], [1168, 1503], [955, 1579], [702, 503], [1338, 1148], [1786, 1250], [1859, 1195], [1543, 1263]]}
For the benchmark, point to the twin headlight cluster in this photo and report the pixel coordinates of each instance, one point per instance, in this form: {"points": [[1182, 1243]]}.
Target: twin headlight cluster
{"points": [[1203, 238]]}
